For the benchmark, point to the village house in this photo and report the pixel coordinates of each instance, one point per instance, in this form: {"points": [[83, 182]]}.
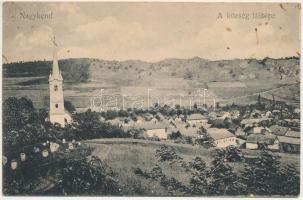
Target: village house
{"points": [[212, 115], [255, 141], [276, 112], [289, 144], [152, 129], [221, 137], [293, 134], [258, 130], [240, 141], [291, 122], [254, 121], [240, 132], [251, 122], [179, 118], [278, 130], [235, 114], [148, 117], [223, 115], [256, 114], [186, 130], [197, 119], [267, 114]]}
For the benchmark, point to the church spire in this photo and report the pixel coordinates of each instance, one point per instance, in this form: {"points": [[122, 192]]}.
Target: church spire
{"points": [[55, 71]]}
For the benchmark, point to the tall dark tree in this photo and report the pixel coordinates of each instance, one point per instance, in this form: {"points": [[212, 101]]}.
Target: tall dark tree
{"points": [[16, 112], [69, 106], [290, 181], [224, 180], [262, 177], [259, 100], [199, 180]]}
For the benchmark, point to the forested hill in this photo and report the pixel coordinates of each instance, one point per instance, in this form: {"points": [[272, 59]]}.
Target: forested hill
{"points": [[73, 70]]}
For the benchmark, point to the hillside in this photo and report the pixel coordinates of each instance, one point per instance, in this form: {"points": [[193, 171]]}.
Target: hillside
{"points": [[238, 80], [125, 155]]}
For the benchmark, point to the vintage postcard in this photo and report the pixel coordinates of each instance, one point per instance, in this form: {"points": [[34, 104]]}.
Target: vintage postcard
{"points": [[151, 99]]}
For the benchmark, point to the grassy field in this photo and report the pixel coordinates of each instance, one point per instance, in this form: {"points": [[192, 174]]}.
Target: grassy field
{"points": [[124, 155]]}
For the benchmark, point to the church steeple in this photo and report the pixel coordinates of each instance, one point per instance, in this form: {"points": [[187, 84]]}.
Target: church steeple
{"points": [[56, 104], [56, 73]]}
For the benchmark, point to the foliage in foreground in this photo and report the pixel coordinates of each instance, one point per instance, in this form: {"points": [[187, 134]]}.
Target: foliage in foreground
{"points": [[264, 177], [71, 173]]}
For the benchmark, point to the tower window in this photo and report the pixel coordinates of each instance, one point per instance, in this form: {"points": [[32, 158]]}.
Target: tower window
{"points": [[56, 87], [56, 105]]}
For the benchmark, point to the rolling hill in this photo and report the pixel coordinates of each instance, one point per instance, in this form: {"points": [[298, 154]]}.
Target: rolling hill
{"points": [[227, 81]]}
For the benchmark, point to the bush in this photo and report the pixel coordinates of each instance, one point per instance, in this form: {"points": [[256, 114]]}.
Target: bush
{"points": [[166, 153], [175, 135]]}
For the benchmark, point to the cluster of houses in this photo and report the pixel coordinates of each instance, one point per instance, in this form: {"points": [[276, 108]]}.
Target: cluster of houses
{"points": [[250, 134]]}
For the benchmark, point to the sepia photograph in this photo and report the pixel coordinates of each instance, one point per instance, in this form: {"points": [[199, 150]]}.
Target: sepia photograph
{"points": [[151, 99]]}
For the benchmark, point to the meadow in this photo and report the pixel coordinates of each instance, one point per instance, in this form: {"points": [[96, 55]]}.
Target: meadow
{"points": [[125, 155]]}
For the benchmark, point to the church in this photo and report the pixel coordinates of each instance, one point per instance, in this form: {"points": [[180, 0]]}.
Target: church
{"points": [[57, 112]]}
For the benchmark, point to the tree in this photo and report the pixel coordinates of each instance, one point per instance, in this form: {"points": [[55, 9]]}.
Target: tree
{"points": [[198, 181], [22, 124], [290, 181], [166, 153], [86, 177], [16, 112], [69, 106], [262, 177], [202, 130], [259, 100], [273, 101], [175, 135], [224, 180], [87, 125], [233, 154]]}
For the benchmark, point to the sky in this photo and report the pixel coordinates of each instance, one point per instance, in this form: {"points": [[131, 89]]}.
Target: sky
{"points": [[150, 31]]}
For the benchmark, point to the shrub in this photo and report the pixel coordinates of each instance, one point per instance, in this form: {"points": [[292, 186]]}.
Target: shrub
{"points": [[166, 153]]}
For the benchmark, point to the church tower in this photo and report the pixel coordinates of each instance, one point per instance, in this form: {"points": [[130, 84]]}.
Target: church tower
{"points": [[56, 110]]}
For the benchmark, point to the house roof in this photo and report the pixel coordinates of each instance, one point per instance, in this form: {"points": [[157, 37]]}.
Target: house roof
{"points": [[219, 133], [254, 120], [148, 116], [278, 130], [160, 115], [239, 131], [258, 130], [267, 139], [294, 134], [151, 125], [189, 131], [289, 140], [196, 117]]}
